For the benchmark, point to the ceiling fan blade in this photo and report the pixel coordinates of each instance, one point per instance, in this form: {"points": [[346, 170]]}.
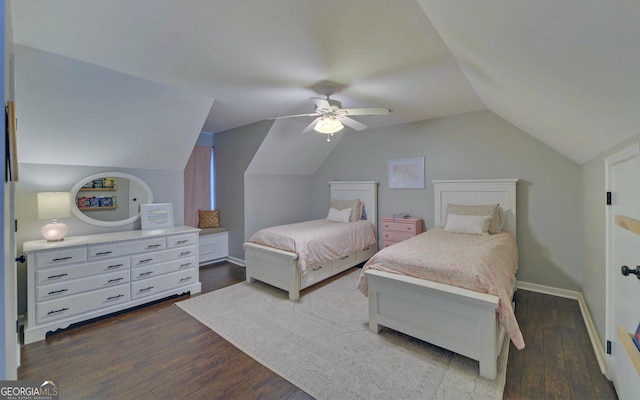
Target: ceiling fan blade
{"points": [[309, 127], [321, 103], [296, 115], [352, 123], [364, 111]]}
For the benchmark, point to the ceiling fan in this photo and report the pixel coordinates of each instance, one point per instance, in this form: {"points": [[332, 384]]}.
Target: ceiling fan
{"points": [[331, 117]]}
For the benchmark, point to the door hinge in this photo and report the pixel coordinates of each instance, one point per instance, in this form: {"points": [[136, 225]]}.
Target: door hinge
{"points": [[15, 225], [608, 198], [608, 346]]}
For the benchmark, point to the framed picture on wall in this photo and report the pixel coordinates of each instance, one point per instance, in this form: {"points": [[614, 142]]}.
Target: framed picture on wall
{"points": [[156, 216], [407, 173]]}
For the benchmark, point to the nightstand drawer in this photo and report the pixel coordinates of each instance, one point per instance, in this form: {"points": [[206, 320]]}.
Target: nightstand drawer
{"points": [[395, 236], [396, 230], [400, 226]]}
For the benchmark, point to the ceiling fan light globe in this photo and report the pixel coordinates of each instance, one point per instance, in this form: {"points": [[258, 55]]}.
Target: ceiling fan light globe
{"points": [[328, 125]]}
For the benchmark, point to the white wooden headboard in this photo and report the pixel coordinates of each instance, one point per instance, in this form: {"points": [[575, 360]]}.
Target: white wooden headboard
{"points": [[366, 191], [476, 191]]}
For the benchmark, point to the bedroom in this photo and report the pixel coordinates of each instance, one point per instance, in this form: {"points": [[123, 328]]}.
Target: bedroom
{"points": [[561, 196]]}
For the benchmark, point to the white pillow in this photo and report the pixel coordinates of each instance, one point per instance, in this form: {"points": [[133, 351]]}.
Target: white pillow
{"points": [[470, 224], [339, 215], [353, 204], [492, 210]]}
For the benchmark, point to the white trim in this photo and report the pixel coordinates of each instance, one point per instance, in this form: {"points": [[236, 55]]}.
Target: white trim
{"points": [[534, 287], [596, 343], [237, 261], [610, 330]]}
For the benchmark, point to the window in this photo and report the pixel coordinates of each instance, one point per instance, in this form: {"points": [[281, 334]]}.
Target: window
{"points": [[213, 179]]}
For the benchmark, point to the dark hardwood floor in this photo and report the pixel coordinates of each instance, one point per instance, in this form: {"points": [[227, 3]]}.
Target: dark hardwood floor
{"points": [[160, 352]]}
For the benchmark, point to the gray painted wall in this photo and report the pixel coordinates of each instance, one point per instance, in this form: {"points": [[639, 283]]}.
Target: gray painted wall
{"points": [[234, 150], [275, 200], [167, 187], [474, 145]]}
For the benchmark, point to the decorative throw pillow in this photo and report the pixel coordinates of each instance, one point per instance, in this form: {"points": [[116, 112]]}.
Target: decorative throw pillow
{"points": [[354, 205], [339, 215], [492, 210], [208, 219], [470, 224]]}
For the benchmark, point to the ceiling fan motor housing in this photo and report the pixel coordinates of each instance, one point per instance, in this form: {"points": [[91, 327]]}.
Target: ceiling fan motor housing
{"points": [[335, 105]]}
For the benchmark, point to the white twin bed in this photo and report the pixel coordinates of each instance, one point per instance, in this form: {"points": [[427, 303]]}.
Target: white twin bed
{"points": [[459, 319], [299, 255]]}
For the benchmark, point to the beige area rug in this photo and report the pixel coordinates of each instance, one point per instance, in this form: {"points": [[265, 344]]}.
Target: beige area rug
{"points": [[322, 344]]}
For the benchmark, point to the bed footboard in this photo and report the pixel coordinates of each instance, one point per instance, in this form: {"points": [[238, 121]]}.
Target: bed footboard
{"points": [[275, 267], [279, 267], [456, 319]]}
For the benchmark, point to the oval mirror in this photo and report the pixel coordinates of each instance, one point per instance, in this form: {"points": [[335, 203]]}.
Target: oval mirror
{"points": [[109, 198]]}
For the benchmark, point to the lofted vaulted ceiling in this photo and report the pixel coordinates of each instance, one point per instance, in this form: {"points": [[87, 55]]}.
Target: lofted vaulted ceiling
{"points": [[566, 72]]}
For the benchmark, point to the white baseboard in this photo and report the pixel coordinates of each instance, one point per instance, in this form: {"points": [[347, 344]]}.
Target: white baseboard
{"points": [[596, 343], [236, 261]]}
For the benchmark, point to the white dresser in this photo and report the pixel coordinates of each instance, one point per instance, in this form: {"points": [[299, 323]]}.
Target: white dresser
{"points": [[84, 277]]}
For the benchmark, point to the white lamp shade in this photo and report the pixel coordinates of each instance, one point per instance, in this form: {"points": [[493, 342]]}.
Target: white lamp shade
{"points": [[53, 205], [328, 125]]}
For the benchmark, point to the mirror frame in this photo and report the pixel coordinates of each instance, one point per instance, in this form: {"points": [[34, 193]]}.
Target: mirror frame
{"points": [[83, 217]]}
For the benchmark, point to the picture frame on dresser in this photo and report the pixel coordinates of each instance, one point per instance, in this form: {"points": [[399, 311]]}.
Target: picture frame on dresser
{"points": [[156, 216]]}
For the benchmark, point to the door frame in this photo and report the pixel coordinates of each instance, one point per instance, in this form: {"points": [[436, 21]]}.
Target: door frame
{"points": [[611, 331]]}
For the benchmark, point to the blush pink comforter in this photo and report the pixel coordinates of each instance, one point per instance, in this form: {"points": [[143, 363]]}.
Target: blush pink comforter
{"points": [[318, 240], [484, 264]]}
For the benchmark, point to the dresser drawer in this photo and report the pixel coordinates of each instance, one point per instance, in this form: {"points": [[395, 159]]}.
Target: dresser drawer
{"points": [[182, 240], [72, 305], [122, 249], [54, 275], [387, 243], [161, 256], [149, 271], [67, 288], [147, 287], [400, 227], [60, 257]]}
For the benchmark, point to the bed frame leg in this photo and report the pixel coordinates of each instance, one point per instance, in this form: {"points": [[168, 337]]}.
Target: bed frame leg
{"points": [[373, 311], [294, 295], [250, 279], [489, 348], [488, 369]]}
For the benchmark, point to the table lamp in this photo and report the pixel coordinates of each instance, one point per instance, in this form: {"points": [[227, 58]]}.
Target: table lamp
{"points": [[54, 205]]}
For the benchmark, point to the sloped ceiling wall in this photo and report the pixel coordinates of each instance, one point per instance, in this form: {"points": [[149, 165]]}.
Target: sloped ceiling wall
{"points": [[568, 73], [75, 113], [287, 151]]}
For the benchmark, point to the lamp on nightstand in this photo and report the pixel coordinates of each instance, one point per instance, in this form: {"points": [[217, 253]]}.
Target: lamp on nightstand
{"points": [[54, 205]]}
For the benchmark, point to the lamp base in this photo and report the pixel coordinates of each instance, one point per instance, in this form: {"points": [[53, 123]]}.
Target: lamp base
{"points": [[54, 232]]}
